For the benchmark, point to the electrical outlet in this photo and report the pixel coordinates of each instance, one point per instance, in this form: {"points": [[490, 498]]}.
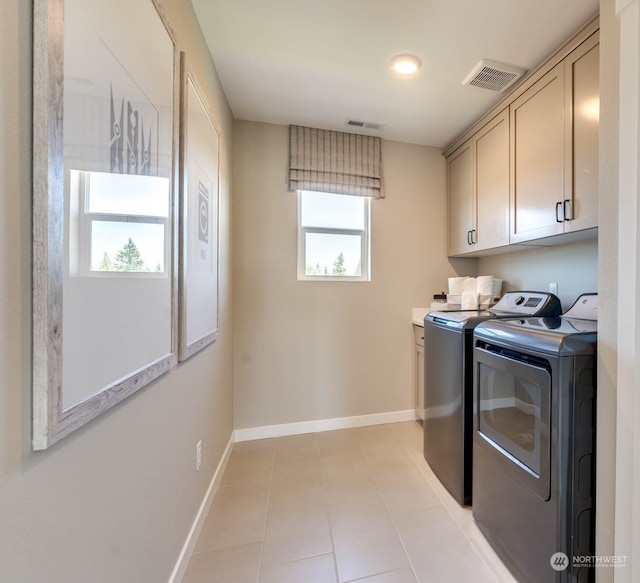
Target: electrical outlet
{"points": [[553, 288], [198, 455]]}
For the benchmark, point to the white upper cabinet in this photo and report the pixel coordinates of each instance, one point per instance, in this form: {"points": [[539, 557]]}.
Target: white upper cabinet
{"points": [[492, 184], [537, 158], [460, 171], [582, 94], [530, 173], [554, 149], [478, 175]]}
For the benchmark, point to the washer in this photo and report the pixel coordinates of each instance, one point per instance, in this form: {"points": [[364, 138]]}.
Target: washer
{"points": [[534, 442], [448, 383]]}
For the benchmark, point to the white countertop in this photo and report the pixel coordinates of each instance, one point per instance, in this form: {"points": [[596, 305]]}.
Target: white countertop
{"points": [[418, 314]]}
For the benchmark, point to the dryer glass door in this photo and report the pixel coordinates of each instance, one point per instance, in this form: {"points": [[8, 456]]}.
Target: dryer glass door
{"points": [[513, 416]]}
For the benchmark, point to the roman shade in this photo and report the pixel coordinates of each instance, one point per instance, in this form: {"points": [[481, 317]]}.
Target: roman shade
{"points": [[336, 162]]}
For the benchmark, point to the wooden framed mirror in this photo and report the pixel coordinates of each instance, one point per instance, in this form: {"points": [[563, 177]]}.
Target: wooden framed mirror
{"points": [[104, 207]]}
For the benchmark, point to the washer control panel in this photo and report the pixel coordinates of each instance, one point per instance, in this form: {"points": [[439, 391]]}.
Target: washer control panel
{"points": [[526, 303]]}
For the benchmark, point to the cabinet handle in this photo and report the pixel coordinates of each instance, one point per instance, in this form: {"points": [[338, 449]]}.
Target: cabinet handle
{"points": [[469, 242], [568, 215], [558, 219], [473, 237]]}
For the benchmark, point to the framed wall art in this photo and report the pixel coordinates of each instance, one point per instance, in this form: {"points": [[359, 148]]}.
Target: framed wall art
{"points": [[104, 155], [199, 196]]}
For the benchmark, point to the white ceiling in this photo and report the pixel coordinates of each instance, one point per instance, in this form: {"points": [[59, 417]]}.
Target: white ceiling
{"points": [[319, 62]]}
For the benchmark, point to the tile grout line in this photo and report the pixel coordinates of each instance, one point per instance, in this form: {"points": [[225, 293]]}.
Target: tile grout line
{"points": [[393, 524], [266, 519], [445, 504], [296, 560], [413, 569], [326, 508]]}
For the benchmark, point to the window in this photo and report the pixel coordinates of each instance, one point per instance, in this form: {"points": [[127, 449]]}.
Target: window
{"points": [[333, 237], [121, 226]]}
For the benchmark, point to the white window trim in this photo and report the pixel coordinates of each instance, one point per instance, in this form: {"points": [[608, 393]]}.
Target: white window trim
{"points": [[365, 246], [85, 236]]}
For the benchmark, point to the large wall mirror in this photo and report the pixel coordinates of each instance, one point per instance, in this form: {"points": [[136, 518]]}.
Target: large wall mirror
{"points": [[104, 207]]}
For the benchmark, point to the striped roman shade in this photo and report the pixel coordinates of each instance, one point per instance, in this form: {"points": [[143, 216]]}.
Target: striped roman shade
{"points": [[337, 162]]}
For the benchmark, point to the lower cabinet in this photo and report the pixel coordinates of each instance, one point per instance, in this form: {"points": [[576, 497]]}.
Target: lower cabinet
{"points": [[418, 370]]}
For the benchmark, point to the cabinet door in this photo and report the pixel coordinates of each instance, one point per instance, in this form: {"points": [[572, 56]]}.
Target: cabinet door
{"points": [[537, 159], [492, 184], [582, 91], [419, 379], [461, 199]]}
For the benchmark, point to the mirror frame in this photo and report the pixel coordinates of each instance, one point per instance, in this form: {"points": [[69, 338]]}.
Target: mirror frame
{"points": [[194, 286], [52, 422]]}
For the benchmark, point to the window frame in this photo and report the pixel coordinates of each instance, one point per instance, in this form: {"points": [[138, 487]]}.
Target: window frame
{"points": [[84, 236], [365, 244]]}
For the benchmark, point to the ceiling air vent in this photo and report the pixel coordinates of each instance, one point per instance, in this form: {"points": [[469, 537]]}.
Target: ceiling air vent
{"points": [[364, 124], [493, 76]]}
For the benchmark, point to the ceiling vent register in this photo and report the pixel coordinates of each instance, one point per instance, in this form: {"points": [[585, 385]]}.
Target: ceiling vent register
{"points": [[364, 124], [493, 76]]}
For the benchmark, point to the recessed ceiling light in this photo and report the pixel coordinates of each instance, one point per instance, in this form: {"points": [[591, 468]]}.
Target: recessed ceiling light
{"points": [[405, 64]]}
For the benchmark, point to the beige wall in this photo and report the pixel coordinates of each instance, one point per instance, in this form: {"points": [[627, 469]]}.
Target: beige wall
{"points": [[114, 501], [574, 267], [320, 350], [627, 255], [608, 283]]}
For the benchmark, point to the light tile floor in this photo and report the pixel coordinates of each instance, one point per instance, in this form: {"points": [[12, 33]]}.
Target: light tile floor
{"points": [[336, 507]]}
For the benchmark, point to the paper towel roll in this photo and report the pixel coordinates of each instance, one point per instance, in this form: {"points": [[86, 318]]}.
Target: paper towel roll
{"points": [[470, 284], [469, 300], [485, 302], [485, 285], [454, 299], [455, 285], [497, 287]]}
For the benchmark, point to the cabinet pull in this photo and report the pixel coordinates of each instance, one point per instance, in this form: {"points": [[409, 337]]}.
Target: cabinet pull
{"points": [[469, 242], [473, 237], [558, 219], [568, 215]]}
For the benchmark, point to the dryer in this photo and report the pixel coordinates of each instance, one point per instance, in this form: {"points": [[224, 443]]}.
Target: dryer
{"points": [[448, 383], [534, 442]]}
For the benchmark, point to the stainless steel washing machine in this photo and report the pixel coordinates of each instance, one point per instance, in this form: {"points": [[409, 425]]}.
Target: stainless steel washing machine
{"points": [[534, 442], [448, 383]]}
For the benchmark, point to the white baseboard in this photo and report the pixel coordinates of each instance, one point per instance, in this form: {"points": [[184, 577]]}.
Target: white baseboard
{"points": [[322, 425], [192, 538]]}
